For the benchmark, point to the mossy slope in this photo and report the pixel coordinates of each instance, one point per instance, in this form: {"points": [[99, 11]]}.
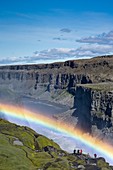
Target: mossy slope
{"points": [[31, 154]]}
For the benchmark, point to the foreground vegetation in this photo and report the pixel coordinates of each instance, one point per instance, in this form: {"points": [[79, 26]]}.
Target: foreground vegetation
{"points": [[21, 148]]}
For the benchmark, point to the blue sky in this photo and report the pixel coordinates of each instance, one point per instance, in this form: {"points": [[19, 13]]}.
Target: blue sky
{"points": [[39, 31]]}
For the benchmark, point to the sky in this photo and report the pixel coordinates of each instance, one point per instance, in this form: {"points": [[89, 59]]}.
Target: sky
{"points": [[44, 31]]}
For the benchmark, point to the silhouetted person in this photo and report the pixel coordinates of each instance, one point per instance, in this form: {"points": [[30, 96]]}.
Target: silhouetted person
{"points": [[77, 151], [95, 155], [74, 151]]}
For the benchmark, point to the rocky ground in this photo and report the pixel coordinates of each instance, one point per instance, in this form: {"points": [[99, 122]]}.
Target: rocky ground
{"points": [[21, 148]]}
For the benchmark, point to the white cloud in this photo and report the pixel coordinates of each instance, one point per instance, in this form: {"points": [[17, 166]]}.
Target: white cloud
{"points": [[96, 49], [87, 50], [61, 54], [104, 38]]}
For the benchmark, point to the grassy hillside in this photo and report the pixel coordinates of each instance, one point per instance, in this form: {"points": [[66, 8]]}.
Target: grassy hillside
{"points": [[21, 148]]}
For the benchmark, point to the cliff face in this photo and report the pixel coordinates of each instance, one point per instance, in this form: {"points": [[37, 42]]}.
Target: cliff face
{"points": [[102, 114], [58, 82], [42, 84], [58, 75], [94, 109], [82, 105]]}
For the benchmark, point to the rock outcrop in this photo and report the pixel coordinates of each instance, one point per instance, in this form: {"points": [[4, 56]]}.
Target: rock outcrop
{"points": [[37, 152], [94, 109], [63, 75]]}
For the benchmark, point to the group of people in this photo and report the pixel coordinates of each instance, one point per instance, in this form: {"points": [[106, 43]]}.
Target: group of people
{"points": [[79, 152]]}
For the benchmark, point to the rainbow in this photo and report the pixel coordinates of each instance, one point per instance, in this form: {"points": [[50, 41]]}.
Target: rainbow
{"points": [[39, 119]]}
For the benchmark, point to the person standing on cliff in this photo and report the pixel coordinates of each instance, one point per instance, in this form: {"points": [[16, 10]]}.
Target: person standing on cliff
{"points": [[95, 155], [74, 151], [81, 151], [78, 152]]}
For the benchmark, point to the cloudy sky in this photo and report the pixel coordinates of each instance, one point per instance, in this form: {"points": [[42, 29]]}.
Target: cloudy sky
{"points": [[43, 31]]}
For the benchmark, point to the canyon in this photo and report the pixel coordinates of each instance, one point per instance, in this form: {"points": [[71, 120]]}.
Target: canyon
{"points": [[84, 86]]}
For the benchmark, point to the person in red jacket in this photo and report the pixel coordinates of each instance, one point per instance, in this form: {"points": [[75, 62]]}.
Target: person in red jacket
{"points": [[81, 151]]}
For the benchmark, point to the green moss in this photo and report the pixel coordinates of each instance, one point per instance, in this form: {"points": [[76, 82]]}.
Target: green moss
{"points": [[26, 153], [44, 141], [40, 159], [81, 162], [14, 157], [62, 164], [26, 138], [4, 140], [71, 158], [102, 164]]}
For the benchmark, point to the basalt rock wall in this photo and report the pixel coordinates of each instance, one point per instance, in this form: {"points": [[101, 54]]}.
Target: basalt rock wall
{"points": [[64, 75], [94, 110], [30, 81]]}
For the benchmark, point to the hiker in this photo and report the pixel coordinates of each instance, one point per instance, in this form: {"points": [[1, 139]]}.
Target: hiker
{"points": [[81, 151], [78, 151], [74, 151], [95, 155]]}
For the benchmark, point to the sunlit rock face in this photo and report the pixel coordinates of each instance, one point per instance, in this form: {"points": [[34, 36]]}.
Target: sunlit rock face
{"points": [[36, 79]]}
